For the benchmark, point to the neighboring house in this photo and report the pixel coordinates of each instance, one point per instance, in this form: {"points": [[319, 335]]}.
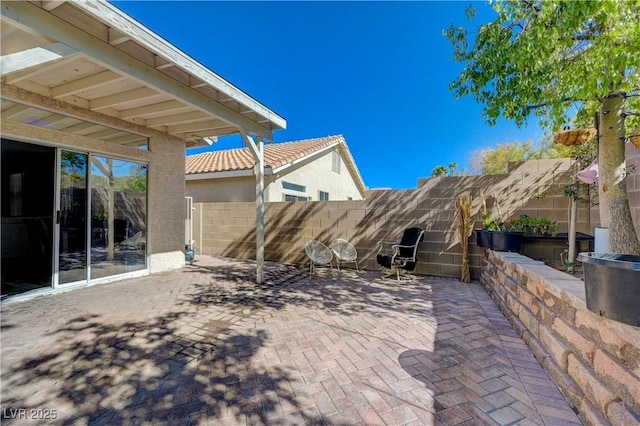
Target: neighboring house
{"points": [[97, 112], [308, 170]]}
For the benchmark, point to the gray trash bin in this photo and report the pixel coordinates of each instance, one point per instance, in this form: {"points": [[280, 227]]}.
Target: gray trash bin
{"points": [[612, 285]]}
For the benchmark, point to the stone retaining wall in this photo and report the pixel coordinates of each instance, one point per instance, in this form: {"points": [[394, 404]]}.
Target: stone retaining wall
{"points": [[594, 361]]}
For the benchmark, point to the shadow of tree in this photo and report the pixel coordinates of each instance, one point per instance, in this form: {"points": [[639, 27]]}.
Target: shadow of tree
{"points": [[345, 293], [202, 360], [101, 372]]}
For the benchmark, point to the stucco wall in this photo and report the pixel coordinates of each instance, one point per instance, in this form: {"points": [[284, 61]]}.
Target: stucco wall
{"points": [[234, 189], [166, 212], [228, 229], [316, 174], [594, 361]]}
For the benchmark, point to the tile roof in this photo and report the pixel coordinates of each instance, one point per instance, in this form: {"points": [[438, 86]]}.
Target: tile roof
{"points": [[275, 155]]}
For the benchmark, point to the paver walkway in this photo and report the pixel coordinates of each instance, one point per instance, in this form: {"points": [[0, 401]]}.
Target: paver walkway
{"points": [[205, 345]]}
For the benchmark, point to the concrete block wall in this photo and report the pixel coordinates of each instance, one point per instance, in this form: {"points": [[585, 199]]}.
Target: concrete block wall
{"points": [[594, 361], [533, 187], [632, 156]]}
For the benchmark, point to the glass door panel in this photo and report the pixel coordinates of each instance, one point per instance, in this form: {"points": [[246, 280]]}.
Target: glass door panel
{"points": [[118, 216], [72, 213]]}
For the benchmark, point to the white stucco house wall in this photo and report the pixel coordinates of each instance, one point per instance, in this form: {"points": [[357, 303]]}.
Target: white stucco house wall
{"points": [[97, 114], [306, 170]]}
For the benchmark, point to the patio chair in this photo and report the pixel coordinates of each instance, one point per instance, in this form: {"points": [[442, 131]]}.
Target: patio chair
{"points": [[344, 251], [394, 255], [319, 254], [136, 242]]}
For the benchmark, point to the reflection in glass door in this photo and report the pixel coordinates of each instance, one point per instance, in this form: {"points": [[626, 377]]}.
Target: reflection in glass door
{"points": [[118, 216], [71, 216]]}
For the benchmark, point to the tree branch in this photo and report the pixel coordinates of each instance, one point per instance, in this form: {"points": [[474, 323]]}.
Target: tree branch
{"points": [[544, 104]]}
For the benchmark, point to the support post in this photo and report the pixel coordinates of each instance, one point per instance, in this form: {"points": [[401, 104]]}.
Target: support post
{"points": [[257, 149], [573, 216]]}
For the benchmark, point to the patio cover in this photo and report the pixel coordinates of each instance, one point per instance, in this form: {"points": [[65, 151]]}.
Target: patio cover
{"points": [[87, 62]]}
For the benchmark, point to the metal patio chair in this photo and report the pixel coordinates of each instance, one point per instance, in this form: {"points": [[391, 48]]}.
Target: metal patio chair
{"points": [[318, 254], [344, 251], [397, 255]]}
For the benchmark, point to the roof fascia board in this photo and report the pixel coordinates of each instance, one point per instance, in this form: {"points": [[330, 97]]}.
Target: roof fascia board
{"points": [[307, 157], [115, 18], [353, 168], [226, 174], [34, 19]]}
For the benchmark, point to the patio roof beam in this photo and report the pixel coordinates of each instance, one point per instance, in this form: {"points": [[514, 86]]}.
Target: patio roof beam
{"points": [[53, 105], [18, 61]]}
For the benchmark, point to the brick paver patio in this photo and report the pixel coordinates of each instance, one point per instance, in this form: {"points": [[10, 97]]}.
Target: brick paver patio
{"points": [[205, 345]]}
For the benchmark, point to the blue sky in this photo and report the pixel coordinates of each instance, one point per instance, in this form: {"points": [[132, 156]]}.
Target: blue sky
{"points": [[375, 72]]}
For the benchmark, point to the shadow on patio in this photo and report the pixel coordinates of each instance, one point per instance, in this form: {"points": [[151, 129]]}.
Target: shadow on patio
{"points": [[207, 345]]}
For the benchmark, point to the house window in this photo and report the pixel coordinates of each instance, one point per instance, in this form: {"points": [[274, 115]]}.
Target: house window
{"points": [[294, 187], [323, 196], [294, 192], [335, 161], [288, 197]]}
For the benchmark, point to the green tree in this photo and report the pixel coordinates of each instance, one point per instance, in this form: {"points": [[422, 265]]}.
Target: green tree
{"points": [[563, 62], [439, 171], [451, 170], [494, 160]]}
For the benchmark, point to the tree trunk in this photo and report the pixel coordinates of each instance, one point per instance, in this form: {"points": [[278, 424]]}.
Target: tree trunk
{"points": [[615, 213]]}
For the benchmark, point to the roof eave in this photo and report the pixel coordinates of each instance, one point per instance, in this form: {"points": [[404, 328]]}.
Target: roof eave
{"points": [[125, 24]]}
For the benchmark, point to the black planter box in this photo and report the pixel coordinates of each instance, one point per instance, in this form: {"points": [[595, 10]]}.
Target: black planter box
{"points": [[507, 241], [612, 285], [483, 238]]}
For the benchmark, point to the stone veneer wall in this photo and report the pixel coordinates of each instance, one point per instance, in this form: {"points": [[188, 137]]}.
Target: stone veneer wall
{"points": [[594, 361], [532, 187]]}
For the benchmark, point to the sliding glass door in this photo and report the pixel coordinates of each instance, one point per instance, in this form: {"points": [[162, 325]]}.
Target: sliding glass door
{"points": [[104, 233], [72, 218], [118, 216], [69, 217]]}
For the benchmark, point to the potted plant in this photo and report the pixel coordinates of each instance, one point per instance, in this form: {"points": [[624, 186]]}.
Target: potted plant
{"points": [[483, 235], [494, 235], [534, 226]]}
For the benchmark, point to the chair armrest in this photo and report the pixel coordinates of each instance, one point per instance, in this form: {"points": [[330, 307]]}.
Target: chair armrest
{"points": [[399, 246], [392, 245]]}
